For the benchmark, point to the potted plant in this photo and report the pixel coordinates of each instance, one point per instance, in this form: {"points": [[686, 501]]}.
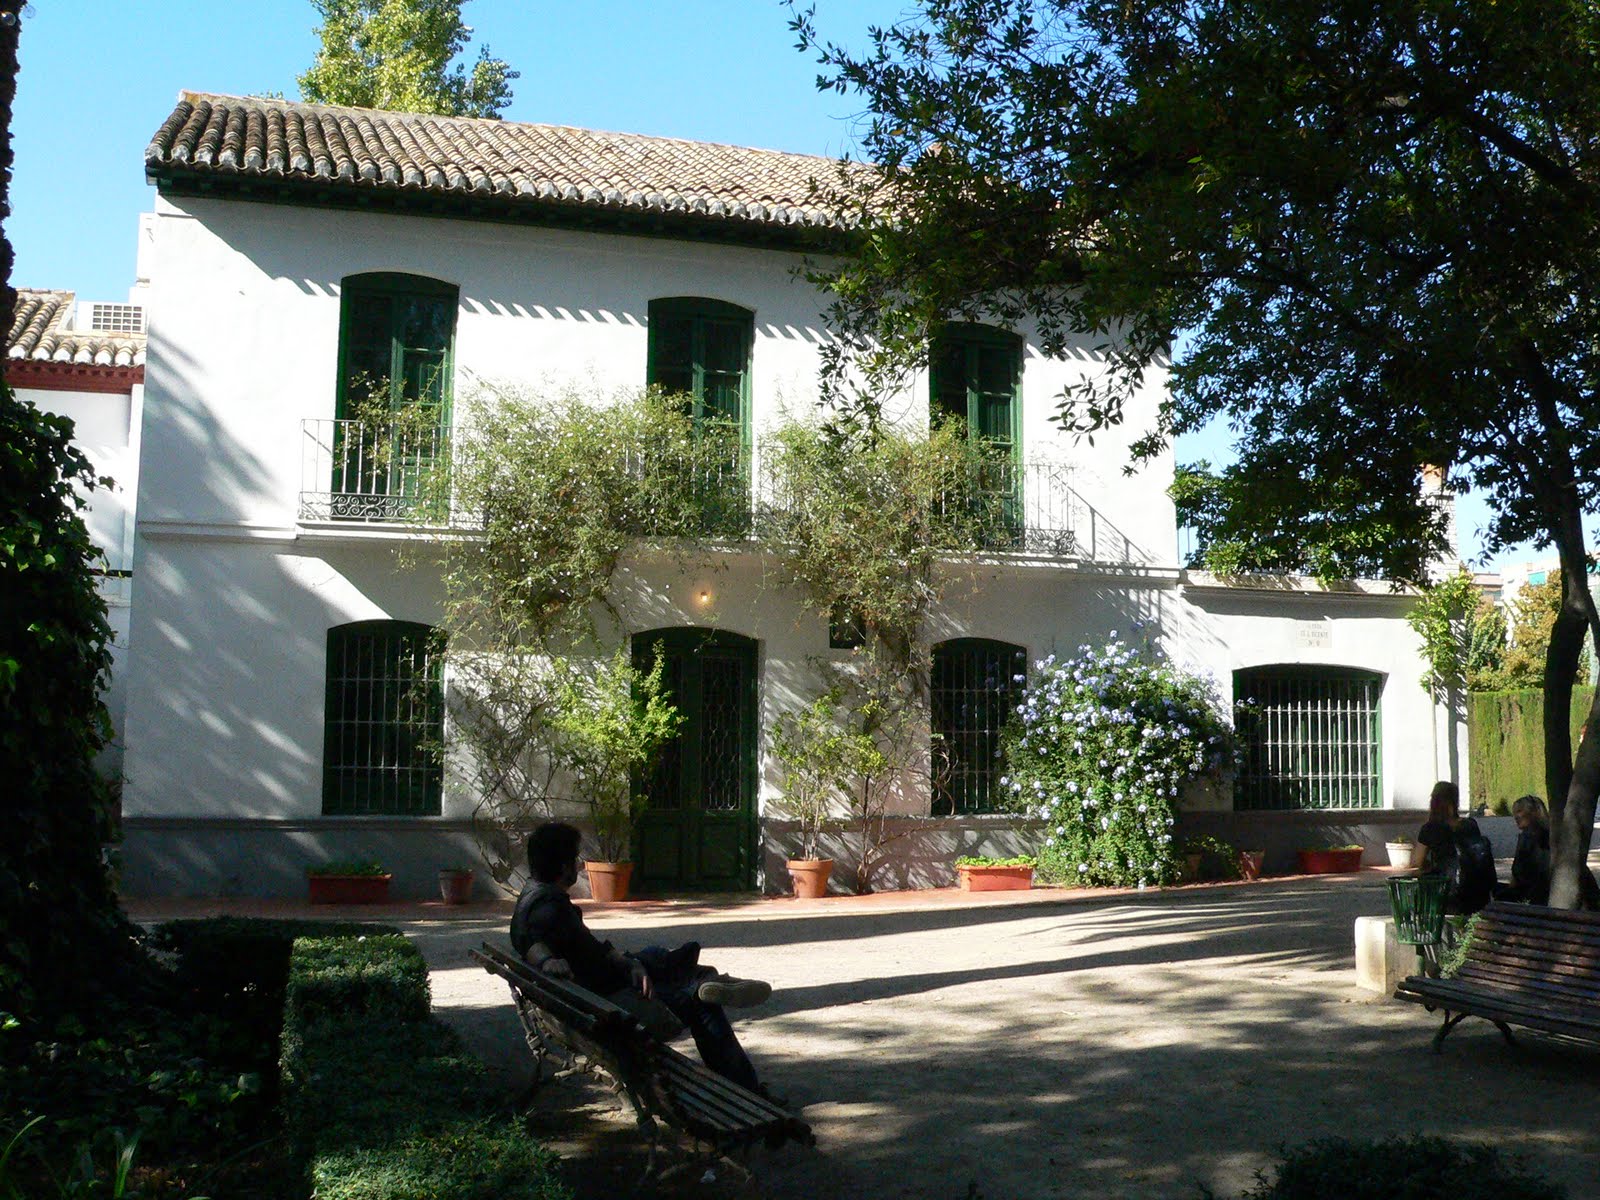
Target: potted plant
{"points": [[818, 758], [1400, 849], [979, 873], [611, 720], [455, 884], [348, 882], [1330, 860], [1209, 857]]}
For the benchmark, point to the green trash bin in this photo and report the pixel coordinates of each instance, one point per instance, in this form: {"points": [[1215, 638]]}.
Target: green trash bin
{"points": [[1417, 902]]}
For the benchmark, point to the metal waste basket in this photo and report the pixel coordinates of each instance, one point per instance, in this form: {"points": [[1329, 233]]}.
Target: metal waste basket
{"points": [[1417, 902]]}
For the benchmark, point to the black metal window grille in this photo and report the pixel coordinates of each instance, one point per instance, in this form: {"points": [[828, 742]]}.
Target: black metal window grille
{"points": [[974, 690], [1310, 738], [384, 722]]}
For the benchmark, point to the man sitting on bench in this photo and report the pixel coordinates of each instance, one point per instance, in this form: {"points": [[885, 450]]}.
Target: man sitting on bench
{"points": [[547, 930]]}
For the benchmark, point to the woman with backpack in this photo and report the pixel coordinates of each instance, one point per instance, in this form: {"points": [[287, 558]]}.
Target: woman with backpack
{"points": [[1454, 846]]}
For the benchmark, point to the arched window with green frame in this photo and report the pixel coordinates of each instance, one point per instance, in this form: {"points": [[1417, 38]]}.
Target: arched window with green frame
{"points": [[1310, 737], [974, 686], [383, 721]]}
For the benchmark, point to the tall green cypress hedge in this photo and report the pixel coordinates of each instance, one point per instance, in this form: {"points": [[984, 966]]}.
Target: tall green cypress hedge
{"points": [[1505, 732]]}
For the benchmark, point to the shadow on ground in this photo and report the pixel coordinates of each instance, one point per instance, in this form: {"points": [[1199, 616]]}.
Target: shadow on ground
{"points": [[1134, 1046]]}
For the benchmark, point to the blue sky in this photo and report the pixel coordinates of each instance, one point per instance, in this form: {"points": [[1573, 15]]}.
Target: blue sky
{"points": [[99, 77]]}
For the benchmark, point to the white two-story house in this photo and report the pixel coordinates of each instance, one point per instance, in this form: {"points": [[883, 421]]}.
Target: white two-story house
{"points": [[296, 245]]}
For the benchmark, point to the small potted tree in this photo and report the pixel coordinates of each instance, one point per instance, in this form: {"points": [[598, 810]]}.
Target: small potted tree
{"points": [[818, 758], [611, 720]]}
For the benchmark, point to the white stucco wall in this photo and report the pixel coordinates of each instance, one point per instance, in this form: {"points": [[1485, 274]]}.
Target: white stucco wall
{"points": [[106, 429], [235, 597]]}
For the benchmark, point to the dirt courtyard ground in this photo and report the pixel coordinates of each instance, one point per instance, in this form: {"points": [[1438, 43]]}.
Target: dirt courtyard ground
{"points": [[1134, 1045], [1072, 1045]]}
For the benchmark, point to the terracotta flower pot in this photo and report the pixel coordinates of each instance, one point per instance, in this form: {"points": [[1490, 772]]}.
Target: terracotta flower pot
{"points": [[1250, 863], [810, 877], [455, 887], [995, 879], [348, 889], [608, 881], [1329, 862]]}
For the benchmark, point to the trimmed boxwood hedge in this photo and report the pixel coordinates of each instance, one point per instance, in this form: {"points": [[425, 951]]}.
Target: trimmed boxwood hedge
{"points": [[240, 965], [381, 1099], [1414, 1168]]}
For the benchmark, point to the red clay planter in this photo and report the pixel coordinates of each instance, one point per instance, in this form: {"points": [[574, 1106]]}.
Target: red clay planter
{"points": [[995, 879], [1329, 862], [348, 889]]}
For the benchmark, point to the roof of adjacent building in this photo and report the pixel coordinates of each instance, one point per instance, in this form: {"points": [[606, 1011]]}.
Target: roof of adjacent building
{"points": [[41, 332], [321, 154]]}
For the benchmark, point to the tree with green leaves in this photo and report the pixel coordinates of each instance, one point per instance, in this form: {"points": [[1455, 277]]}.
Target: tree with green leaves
{"points": [[1533, 619], [400, 55], [63, 938], [1375, 225]]}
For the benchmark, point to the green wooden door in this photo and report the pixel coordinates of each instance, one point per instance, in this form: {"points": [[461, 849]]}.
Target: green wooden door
{"points": [[975, 375], [699, 831]]}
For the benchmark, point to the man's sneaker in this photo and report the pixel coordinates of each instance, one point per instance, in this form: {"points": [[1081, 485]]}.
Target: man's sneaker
{"points": [[734, 993]]}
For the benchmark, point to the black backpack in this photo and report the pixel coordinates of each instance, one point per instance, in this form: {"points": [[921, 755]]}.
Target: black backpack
{"points": [[1471, 870]]}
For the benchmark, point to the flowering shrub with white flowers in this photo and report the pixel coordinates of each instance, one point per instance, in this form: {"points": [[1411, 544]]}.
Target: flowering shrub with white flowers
{"points": [[1100, 749]]}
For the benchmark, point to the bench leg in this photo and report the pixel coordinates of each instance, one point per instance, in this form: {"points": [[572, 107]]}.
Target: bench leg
{"points": [[1505, 1031], [1449, 1024]]}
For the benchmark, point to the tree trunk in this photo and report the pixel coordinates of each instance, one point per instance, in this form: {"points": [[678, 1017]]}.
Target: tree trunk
{"points": [[1571, 787]]}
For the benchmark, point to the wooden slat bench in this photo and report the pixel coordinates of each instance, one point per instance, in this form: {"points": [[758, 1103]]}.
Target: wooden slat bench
{"points": [[582, 1031], [1525, 965]]}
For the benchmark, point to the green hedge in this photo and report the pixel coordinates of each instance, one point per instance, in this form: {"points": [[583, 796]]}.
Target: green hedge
{"points": [[1416, 1168], [1505, 732], [381, 1099], [240, 965]]}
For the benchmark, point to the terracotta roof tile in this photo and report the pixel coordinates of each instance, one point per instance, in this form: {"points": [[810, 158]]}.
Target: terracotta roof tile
{"points": [[534, 166], [39, 333]]}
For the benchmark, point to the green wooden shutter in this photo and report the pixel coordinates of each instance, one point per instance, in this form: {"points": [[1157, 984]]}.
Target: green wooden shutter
{"points": [[396, 340], [399, 331], [702, 349]]}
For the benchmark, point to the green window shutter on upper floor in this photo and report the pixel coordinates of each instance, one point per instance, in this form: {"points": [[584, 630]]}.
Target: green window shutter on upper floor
{"points": [[975, 373], [701, 348], [396, 342]]}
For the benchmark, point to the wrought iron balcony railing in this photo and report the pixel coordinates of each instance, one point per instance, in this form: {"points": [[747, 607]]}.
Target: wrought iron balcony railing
{"points": [[361, 472], [365, 471]]}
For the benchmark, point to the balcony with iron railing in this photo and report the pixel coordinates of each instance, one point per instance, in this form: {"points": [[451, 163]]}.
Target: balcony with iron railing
{"points": [[358, 474]]}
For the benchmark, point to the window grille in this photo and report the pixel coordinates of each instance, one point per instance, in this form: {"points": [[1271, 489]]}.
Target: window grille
{"points": [[116, 318], [384, 722], [1309, 736], [974, 690]]}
